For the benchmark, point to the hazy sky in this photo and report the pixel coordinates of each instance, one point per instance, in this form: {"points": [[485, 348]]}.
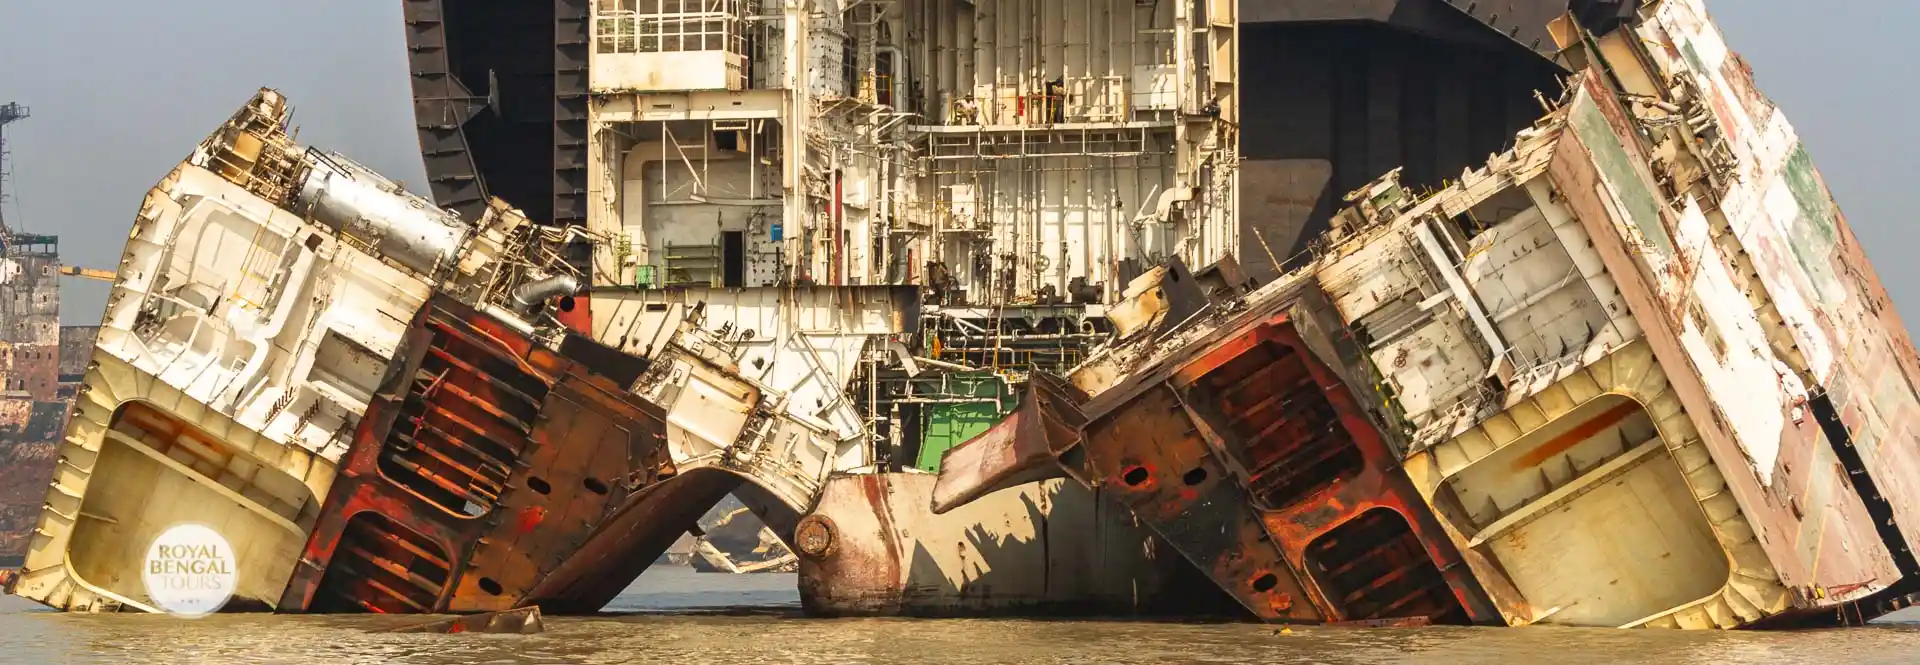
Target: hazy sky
{"points": [[122, 90]]}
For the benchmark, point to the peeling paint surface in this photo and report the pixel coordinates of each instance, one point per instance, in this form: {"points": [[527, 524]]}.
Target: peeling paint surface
{"points": [[1831, 306]]}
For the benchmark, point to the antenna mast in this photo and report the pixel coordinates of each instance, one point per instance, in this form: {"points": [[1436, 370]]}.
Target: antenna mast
{"points": [[8, 115]]}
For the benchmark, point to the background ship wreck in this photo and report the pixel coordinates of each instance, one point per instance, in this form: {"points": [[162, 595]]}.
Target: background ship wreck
{"points": [[1488, 377], [1598, 382]]}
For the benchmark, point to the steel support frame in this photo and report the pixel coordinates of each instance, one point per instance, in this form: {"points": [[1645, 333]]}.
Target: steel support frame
{"points": [[591, 449]]}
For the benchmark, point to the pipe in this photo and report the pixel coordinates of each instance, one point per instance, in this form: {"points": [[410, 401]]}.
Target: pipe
{"points": [[836, 273], [1170, 196], [528, 297], [509, 318]]}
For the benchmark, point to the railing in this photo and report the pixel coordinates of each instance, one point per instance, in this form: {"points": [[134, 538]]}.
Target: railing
{"points": [[664, 26], [1090, 99]]}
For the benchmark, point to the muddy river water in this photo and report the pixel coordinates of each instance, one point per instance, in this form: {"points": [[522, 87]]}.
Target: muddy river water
{"points": [[675, 615]]}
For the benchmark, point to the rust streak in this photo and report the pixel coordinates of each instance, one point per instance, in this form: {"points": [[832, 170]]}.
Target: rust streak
{"points": [[1572, 437]]}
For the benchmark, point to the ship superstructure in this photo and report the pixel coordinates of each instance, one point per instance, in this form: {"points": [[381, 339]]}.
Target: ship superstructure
{"points": [[1014, 162]]}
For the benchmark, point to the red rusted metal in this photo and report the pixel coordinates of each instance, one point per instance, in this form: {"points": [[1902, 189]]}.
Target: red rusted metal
{"points": [[863, 580], [576, 313], [1019, 449], [626, 542], [1247, 452], [488, 467], [1332, 494]]}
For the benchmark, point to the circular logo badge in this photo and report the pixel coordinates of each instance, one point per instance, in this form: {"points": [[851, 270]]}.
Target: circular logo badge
{"points": [[189, 571]]}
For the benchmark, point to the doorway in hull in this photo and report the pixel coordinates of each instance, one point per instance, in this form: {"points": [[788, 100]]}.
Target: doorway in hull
{"points": [[733, 259]]}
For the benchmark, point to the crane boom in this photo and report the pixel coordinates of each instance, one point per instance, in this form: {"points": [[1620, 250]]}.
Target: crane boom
{"points": [[88, 273]]}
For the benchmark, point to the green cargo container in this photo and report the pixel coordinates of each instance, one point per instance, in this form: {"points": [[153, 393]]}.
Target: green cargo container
{"points": [[949, 425]]}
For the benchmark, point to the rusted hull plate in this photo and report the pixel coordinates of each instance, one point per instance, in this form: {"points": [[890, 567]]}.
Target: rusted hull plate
{"points": [[873, 547], [1019, 449], [1248, 454], [486, 466], [626, 543]]}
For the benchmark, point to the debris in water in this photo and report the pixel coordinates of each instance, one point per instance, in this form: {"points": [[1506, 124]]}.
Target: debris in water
{"points": [[522, 621]]}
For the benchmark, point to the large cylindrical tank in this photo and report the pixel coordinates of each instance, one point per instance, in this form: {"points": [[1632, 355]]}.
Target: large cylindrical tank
{"points": [[399, 225]]}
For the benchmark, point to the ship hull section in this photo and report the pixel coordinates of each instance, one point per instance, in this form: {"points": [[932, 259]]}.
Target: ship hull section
{"points": [[873, 547], [479, 470], [382, 408], [1598, 382]]}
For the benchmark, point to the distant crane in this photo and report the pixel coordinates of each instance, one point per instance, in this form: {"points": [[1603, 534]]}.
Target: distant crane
{"points": [[88, 273], [9, 114]]}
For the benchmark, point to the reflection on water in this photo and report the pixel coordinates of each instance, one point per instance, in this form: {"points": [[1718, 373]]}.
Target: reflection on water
{"points": [[673, 613]]}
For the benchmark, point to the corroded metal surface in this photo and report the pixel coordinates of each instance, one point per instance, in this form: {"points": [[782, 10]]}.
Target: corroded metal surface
{"points": [[1248, 455], [1815, 433], [1332, 494], [484, 467], [632, 538], [874, 547], [1634, 372], [1021, 448]]}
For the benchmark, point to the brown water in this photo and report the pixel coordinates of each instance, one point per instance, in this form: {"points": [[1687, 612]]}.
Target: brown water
{"points": [[673, 614]]}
